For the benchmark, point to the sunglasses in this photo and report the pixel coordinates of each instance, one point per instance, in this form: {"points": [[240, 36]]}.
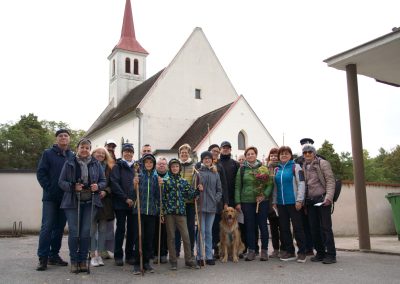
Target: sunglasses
{"points": [[307, 152]]}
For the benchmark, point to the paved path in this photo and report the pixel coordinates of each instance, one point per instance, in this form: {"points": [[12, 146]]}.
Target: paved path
{"points": [[18, 261]]}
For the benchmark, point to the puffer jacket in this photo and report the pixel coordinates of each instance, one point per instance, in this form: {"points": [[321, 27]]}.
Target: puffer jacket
{"points": [[122, 184], [175, 192], [320, 179], [247, 192], [49, 170], [68, 179], [289, 185], [212, 189]]}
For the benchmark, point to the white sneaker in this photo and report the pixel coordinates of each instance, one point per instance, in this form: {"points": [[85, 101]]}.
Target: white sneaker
{"points": [[94, 262], [100, 261]]}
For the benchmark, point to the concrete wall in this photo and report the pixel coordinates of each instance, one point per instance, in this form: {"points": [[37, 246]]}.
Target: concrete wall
{"points": [[21, 197]]}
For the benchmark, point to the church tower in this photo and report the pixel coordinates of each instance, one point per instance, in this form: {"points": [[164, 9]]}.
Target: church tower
{"points": [[127, 60]]}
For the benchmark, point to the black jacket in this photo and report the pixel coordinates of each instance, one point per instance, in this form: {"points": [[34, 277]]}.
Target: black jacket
{"points": [[122, 185], [231, 168]]}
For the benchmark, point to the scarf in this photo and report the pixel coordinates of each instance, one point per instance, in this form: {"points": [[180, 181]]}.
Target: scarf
{"points": [[129, 163], [83, 163]]}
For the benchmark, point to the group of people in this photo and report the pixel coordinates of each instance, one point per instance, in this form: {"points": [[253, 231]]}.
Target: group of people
{"points": [[156, 204]]}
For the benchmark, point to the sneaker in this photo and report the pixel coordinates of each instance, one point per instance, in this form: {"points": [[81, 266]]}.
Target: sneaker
{"points": [[274, 254], [105, 255], [42, 265], [264, 255], [119, 262], [200, 262], [136, 270], [301, 257], [174, 266], [148, 268], [251, 255], [210, 262], [288, 256], [94, 262], [163, 259], [100, 261], [57, 260], [317, 258], [192, 264], [329, 260], [83, 267]]}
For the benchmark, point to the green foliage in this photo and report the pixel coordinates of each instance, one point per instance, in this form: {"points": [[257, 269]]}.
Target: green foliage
{"points": [[22, 143], [347, 166]]}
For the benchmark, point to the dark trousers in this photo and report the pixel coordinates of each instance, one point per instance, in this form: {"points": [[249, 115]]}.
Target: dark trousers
{"points": [[190, 219], [307, 230], [321, 229], [124, 217], [252, 219], [287, 214], [163, 245], [276, 235], [148, 223], [215, 232]]}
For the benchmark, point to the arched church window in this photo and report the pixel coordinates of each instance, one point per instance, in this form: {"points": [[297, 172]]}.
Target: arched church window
{"points": [[136, 67], [127, 65], [241, 141]]}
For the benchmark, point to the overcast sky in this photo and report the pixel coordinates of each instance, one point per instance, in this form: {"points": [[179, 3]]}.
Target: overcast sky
{"points": [[54, 60]]}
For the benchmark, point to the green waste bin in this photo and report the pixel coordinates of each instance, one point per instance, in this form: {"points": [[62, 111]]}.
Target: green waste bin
{"points": [[394, 200]]}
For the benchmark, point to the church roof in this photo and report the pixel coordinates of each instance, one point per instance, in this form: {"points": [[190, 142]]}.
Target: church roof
{"points": [[127, 104], [128, 39], [199, 129]]}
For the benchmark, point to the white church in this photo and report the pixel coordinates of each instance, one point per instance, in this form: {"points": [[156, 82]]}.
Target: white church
{"points": [[190, 101]]}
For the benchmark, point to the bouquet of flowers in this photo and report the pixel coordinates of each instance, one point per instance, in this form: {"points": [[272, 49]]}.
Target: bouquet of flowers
{"points": [[261, 179]]}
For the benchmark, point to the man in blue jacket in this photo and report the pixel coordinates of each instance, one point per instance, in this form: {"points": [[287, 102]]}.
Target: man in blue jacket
{"points": [[53, 218]]}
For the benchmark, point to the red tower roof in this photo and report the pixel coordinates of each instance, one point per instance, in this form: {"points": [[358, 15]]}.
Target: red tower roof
{"points": [[128, 40]]}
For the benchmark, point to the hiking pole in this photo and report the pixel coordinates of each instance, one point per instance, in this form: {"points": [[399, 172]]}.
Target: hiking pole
{"points": [[78, 238], [201, 243], [159, 226], [90, 233], [139, 220]]}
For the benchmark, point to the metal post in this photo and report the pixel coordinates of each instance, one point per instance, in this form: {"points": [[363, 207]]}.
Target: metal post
{"points": [[358, 161]]}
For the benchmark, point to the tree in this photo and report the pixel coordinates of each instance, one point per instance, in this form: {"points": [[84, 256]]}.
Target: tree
{"points": [[391, 165], [347, 166], [329, 154]]}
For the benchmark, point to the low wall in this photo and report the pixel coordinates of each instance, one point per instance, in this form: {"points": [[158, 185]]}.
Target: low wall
{"points": [[21, 197]]}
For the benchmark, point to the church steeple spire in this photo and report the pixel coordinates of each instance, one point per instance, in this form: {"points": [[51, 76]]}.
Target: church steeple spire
{"points": [[128, 39]]}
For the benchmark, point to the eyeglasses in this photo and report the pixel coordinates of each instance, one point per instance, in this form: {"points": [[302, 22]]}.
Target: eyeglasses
{"points": [[307, 152]]}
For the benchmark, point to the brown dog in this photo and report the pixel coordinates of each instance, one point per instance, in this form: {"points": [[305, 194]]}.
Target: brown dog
{"points": [[230, 244]]}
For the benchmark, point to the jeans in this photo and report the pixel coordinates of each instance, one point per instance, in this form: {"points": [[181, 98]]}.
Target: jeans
{"points": [[207, 221], [79, 246], [252, 219], [289, 213], [190, 219], [124, 217], [99, 233], [51, 230], [321, 229]]}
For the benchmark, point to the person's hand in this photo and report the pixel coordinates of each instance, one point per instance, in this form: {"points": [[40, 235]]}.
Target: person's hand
{"points": [[102, 194], [162, 219], [160, 181], [129, 202], [238, 208], [298, 205], [136, 180], [94, 187], [327, 202], [200, 187], [260, 198], [78, 187]]}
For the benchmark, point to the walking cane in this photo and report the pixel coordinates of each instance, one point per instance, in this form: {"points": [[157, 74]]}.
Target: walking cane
{"points": [[78, 238], [201, 243], [89, 258], [159, 225], [139, 220]]}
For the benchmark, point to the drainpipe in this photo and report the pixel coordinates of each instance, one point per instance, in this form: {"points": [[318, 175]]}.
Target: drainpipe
{"points": [[139, 115]]}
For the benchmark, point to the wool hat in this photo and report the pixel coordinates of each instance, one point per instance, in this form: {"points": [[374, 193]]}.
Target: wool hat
{"points": [[206, 154], [309, 147], [306, 141], [62, 130], [110, 141], [226, 144], [174, 161], [127, 147], [212, 146], [149, 157]]}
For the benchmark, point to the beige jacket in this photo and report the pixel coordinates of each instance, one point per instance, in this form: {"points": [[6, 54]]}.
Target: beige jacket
{"points": [[325, 182]]}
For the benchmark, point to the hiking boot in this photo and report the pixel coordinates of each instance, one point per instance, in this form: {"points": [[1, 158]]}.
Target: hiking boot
{"points": [[74, 267], [42, 265], [274, 254], [136, 270], [301, 257], [174, 266], [200, 262], [192, 264], [288, 256], [210, 262], [83, 267], [94, 262], [317, 258], [119, 262], [264, 255], [329, 260], [105, 255], [148, 268], [57, 260], [251, 255]]}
